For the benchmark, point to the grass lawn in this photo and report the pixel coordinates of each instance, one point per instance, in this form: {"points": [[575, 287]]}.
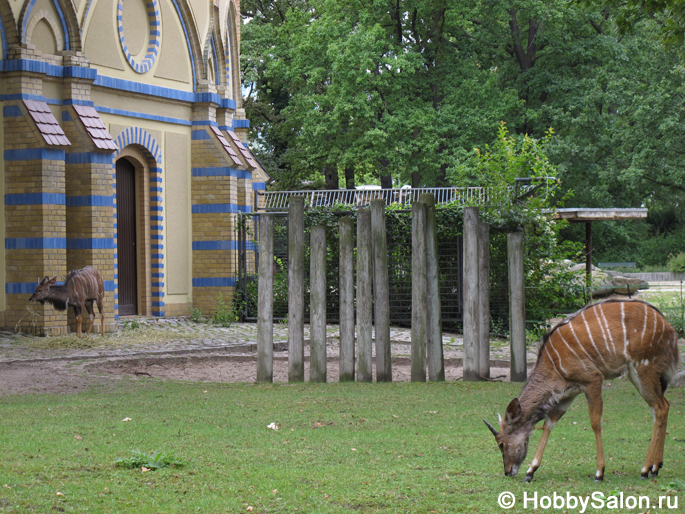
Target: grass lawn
{"points": [[415, 448]]}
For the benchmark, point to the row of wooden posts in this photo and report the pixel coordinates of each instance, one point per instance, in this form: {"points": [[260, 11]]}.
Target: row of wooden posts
{"points": [[373, 301]]}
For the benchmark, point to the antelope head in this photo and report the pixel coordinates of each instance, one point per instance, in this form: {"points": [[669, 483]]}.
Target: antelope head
{"points": [[42, 290], [512, 438]]}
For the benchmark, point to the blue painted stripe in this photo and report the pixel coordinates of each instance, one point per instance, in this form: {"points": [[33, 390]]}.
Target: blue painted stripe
{"points": [[157, 247], [158, 294], [34, 154], [35, 243], [158, 304], [90, 201], [157, 265], [215, 245], [157, 275], [11, 111], [109, 285], [158, 314], [20, 287], [221, 171], [35, 199], [199, 135], [241, 123], [214, 282], [91, 243], [220, 208], [88, 158], [259, 186], [143, 116]]}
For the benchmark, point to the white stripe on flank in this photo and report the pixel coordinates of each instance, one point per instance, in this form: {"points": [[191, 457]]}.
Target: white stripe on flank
{"points": [[604, 335], [653, 330], [587, 327], [644, 326], [552, 361], [549, 343], [623, 324], [606, 323], [583, 347], [572, 351]]}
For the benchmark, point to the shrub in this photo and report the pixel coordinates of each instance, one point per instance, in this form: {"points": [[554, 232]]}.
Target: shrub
{"points": [[676, 263], [225, 314]]}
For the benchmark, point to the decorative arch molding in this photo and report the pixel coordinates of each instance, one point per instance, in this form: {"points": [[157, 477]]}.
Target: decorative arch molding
{"points": [[232, 59], [185, 15], [67, 19], [214, 54], [54, 25], [8, 28], [140, 145], [141, 137]]}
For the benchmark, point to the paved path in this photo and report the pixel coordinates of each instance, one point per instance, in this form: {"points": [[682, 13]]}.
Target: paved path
{"points": [[165, 336]]}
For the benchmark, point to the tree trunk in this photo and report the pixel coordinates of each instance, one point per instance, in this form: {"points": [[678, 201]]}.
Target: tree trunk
{"points": [[331, 175], [386, 177], [349, 177]]}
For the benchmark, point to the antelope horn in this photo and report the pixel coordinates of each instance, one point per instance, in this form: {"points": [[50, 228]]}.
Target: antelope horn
{"points": [[492, 429]]}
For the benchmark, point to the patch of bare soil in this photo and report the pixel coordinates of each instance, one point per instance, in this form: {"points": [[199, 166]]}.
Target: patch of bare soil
{"points": [[63, 376], [41, 377]]}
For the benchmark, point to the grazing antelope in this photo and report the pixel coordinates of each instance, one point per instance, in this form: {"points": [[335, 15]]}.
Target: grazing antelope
{"points": [[82, 287], [603, 340]]}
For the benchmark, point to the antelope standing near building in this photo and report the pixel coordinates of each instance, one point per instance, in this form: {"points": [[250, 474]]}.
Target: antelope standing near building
{"points": [[603, 340], [81, 288]]}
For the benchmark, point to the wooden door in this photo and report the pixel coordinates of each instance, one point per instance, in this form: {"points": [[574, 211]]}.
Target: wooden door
{"points": [[126, 238]]}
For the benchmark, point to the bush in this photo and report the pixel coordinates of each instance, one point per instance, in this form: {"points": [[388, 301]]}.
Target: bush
{"points": [[225, 314], [676, 263]]}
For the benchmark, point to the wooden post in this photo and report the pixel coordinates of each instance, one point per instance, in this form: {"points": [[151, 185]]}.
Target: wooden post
{"points": [[364, 297], [588, 254], [517, 307], [418, 292], [484, 296], [471, 296], [317, 305], [346, 237], [296, 289], [265, 300], [434, 352], [381, 292]]}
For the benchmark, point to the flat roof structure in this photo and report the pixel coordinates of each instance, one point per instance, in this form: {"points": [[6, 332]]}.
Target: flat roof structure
{"points": [[587, 216], [579, 215]]}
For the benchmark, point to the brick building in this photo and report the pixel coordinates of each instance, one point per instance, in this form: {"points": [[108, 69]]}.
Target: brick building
{"points": [[123, 136]]}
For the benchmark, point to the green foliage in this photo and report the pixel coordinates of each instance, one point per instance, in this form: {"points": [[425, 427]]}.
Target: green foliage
{"points": [[676, 264], [225, 314], [131, 324], [152, 461], [196, 314]]}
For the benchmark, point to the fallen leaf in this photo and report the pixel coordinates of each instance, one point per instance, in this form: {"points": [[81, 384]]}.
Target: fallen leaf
{"points": [[274, 491], [59, 494], [354, 449], [250, 508], [126, 419], [273, 426], [78, 437], [144, 469]]}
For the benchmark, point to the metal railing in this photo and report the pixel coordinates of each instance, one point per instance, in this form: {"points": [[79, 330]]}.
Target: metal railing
{"points": [[357, 198]]}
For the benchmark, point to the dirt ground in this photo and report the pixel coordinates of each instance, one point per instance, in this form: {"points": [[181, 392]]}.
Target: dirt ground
{"points": [[60, 376]]}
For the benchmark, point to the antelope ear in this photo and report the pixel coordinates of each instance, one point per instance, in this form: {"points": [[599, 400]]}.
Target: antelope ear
{"points": [[513, 412], [52, 282], [45, 280]]}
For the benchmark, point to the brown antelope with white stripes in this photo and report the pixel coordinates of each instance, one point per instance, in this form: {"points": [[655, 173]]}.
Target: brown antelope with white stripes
{"points": [[603, 340], [81, 289]]}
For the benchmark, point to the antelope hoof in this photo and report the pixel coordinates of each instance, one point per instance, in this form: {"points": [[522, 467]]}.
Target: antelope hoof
{"points": [[599, 479], [644, 475], [654, 472], [528, 478]]}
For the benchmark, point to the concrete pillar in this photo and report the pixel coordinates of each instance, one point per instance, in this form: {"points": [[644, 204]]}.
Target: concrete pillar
{"points": [[381, 292], [517, 307], [471, 295], [364, 296], [418, 292], [484, 299], [296, 289], [317, 304], [265, 300], [434, 352], [346, 237]]}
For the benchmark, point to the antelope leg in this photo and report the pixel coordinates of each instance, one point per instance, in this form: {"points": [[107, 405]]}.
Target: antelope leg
{"points": [[593, 393], [655, 454], [550, 420]]}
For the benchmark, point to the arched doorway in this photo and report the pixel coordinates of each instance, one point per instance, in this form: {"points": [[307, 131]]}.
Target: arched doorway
{"points": [[127, 257]]}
